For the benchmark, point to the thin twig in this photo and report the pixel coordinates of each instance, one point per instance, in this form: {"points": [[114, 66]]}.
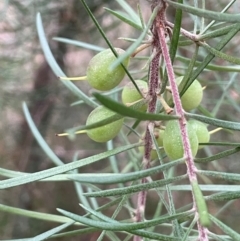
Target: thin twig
{"points": [[154, 86]]}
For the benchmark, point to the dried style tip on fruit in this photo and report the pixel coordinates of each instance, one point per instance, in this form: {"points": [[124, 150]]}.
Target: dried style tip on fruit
{"points": [[172, 140], [193, 95], [201, 130], [99, 73], [106, 132], [130, 94]]}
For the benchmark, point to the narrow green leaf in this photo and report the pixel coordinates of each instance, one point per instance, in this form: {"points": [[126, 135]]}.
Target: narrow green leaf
{"points": [[224, 40], [108, 42], [133, 47], [221, 55], [215, 122], [79, 44], [217, 237], [176, 33], [124, 226], [173, 44], [134, 126], [219, 68], [62, 169], [224, 196], [207, 188], [56, 178], [234, 235], [77, 233], [85, 230], [121, 178], [129, 111], [186, 79], [131, 12], [56, 68], [51, 232], [231, 177], [9, 173], [185, 43], [222, 11], [134, 188], [215, 33], [201, 205], [144, 233], [154, 235], [106, 121], [141, 16], [35, 215], [124, 19], [221, 144], [39, 138], [222, 17], [204, 111], [217, 156], [190, 229]]}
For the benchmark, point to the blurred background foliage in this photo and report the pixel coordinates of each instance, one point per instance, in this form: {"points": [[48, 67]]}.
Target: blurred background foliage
{"points": [[25, 76]]}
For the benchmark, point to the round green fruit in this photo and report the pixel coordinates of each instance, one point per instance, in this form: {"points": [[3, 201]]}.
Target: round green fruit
{"points": [[106, 132], [130, 94], [159, 139], [172, 140], [99, 74], [201, 130], [193, 95]]}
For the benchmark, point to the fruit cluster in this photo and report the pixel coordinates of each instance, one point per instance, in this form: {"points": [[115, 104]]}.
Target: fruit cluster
{"points": [[170, 139], [101, 77], [197, 131]]}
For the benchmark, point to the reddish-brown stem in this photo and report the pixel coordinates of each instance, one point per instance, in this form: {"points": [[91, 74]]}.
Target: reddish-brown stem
{"points": [[203, 233], [184, 32], [152, 95]]}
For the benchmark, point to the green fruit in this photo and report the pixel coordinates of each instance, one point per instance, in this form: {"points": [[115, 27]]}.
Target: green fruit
{"points": [[172, 140], [159, 139], [131, 95], [99, 74], [201, 130], [193, 95], [106, 132]]}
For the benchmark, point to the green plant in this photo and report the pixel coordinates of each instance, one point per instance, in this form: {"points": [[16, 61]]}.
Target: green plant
{"points": [[156, 212], [99, 73], [172, 140], [106, 132]]}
